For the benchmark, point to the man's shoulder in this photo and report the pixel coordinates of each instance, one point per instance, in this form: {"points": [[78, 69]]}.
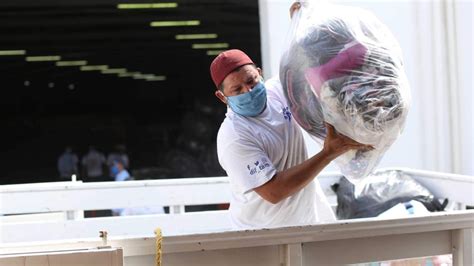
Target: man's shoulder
{"points": [[227, 129], [235, 129], [275, 90], [273, 85]]}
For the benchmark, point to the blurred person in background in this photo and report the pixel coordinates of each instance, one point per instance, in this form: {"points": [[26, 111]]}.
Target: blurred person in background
{"points": [[67, 164], [93, 165], [119, 154], [119, 172]]}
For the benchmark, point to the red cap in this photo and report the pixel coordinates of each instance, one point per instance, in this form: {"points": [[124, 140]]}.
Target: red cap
{"points": [[226, 62]]}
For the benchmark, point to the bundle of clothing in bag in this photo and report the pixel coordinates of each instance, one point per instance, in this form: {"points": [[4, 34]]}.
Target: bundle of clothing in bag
{"points": [[342, 66], [382, 192]]}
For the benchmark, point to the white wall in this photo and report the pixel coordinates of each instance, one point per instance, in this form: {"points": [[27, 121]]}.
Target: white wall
{"points": [[440, 78], [464, 27]]}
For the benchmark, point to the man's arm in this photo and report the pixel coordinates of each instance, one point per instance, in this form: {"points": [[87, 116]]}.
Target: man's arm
{"points": [[292, 180]]}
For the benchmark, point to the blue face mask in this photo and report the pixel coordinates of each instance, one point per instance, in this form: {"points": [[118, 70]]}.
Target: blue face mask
{"points": [[114, 170], [251, 103]]}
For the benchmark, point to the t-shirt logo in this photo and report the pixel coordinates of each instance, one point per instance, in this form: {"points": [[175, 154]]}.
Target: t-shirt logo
{"points": [[287, 113], [258, 166]]}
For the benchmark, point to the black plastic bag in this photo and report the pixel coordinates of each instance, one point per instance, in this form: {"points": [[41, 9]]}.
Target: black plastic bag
{"points": [[380, 192]]}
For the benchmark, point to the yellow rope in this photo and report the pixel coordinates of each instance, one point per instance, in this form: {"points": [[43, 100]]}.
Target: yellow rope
{"points": [[159, 239]]}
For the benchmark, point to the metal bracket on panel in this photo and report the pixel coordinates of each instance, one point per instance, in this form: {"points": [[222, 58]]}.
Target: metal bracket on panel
{"points": [[103, 235]]}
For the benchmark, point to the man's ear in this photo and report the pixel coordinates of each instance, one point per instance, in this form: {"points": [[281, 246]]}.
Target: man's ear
{"points": [[220, 96], [260, 72]]}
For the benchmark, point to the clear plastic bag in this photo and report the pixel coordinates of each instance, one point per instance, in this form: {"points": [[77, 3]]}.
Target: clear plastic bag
{"points": [[379, 192], [343, 66]]}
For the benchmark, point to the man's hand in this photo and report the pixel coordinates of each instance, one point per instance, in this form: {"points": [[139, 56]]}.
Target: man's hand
{"points": [[336, 144], [289, 181], [295, 6]]}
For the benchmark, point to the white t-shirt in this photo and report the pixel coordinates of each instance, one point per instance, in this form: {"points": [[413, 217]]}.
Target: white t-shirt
{"points": [[252, 150]]}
